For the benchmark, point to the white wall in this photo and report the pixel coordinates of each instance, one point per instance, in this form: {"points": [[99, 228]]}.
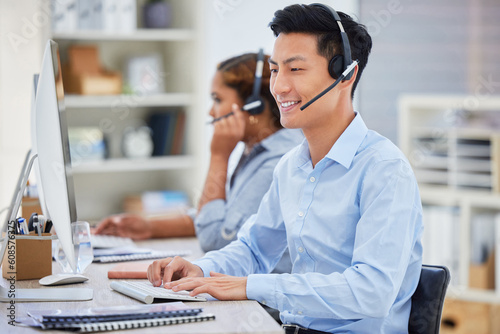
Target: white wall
{"points": [[21, 25], [233, 27]]}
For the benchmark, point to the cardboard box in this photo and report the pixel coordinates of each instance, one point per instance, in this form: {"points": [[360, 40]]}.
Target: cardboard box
{"points": [[84, 75], [464, 317], [482, 276], [107, 83], [28, 257]]}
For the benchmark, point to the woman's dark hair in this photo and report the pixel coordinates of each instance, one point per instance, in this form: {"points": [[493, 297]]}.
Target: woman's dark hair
{"points": [[239, 73], [318, 21]]}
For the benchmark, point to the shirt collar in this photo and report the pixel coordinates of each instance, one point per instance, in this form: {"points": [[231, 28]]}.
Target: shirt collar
{"points": [[281, 141], [344, 149]]}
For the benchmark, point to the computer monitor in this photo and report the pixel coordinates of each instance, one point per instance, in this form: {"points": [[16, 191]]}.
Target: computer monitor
{"points": [[51, 150], [52, 147], [48, 131]]}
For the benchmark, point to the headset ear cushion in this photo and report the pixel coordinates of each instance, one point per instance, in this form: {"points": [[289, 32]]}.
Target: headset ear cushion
{"points": [[255, 110], [336, 66]]}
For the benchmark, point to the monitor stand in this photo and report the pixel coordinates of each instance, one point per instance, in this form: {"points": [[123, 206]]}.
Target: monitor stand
{"points": [[45, 295], [12, 294]]}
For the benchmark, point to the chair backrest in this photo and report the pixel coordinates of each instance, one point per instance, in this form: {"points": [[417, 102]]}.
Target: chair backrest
{"points": [[427, 301]]}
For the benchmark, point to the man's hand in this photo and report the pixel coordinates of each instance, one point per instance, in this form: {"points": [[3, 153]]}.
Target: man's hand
{"points": [[126, 225], [222, 287], [170, 269]]}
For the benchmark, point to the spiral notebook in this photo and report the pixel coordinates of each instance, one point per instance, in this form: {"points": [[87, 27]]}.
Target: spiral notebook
{"points": [[116, 318], [135, 254]]}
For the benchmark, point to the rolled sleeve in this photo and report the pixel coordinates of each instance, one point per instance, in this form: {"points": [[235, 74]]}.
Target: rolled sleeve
{"points": [[260, 287], [212, 211], [208, 224]]}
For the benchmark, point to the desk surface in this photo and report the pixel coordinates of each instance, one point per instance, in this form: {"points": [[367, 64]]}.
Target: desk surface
{"points": [[231, 316]]}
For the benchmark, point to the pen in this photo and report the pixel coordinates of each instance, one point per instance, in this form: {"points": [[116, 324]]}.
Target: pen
{"points": [[41, 224], [19, 226], [48, 226], [16, 224], [31, 225], [23, 226]]}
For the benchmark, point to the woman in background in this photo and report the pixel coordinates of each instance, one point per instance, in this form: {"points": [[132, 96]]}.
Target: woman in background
{"points": [[220, 214]]}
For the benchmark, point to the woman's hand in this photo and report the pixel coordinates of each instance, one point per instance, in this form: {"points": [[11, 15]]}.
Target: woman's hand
{"points": [[126, 225], [228, 131]]}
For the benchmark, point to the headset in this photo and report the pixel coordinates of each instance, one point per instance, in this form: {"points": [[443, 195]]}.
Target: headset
{"points": [[340, 67], [254, 104]]}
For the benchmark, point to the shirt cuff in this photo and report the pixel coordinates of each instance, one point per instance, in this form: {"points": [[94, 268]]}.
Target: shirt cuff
{"points": [[210, 212], [261, 287], [206, 266], [192, 212]]}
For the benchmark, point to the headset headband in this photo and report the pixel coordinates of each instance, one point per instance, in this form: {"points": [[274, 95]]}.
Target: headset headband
{"points": [[345, 40], [254, 104], [259, 68]]}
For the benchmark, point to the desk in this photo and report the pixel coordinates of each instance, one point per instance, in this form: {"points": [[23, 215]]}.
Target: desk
{"points": [[231, 316]]}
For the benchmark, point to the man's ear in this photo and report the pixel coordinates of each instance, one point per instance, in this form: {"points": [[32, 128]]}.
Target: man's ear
{"points": [[354, 75], [350, 82]]}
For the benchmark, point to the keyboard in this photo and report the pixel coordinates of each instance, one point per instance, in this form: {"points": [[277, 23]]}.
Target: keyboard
{"points": [[110, 241], [145, 292], [140, 256]]}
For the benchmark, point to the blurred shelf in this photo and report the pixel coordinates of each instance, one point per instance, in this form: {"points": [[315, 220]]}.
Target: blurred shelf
{"points": [[133, 165], [451, 196], [132, 101], [473, 295], [147, 35], [478, 133]]}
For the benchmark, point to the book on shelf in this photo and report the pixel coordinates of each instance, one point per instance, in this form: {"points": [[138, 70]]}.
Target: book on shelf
{"points": [[115, 318], [168, 132], [177, 144]]}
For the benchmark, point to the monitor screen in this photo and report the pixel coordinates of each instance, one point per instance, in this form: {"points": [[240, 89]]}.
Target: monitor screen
{"points": [[52, 146]]}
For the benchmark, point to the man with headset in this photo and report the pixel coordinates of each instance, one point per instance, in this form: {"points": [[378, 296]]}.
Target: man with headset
{"points": [[345, 201]]}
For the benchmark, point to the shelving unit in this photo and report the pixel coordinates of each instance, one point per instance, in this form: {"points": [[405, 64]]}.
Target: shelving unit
{"points": [[165, 35], [100, 186], [452, 143], [104, 101], [135, 165]]}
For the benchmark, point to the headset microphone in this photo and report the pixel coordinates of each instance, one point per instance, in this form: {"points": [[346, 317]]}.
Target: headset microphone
{"points": [[344, 74]]}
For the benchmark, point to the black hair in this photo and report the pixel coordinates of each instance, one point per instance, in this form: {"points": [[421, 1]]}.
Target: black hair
{"points": [[318, 21]]}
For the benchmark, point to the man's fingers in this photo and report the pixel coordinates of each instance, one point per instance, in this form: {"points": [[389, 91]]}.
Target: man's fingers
{"points": [[156, 269], [201, 289], [186, 284], [171, 268]]}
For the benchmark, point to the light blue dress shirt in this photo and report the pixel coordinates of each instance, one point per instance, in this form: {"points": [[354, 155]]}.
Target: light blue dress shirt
{"points": [[219, 220], [353, 225]]}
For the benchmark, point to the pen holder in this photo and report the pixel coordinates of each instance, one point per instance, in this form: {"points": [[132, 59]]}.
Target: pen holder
{"points": [[28, 257]]}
